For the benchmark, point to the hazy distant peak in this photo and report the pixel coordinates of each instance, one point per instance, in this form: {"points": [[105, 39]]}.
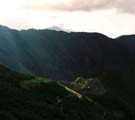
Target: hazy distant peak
{"points": [[56, 28]]}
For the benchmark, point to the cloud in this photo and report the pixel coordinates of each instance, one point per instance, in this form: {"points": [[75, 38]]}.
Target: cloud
{"points": [[83, 5]]}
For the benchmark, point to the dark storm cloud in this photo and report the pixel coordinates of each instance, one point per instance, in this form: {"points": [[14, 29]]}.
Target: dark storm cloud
{"points": [[127, 6]]}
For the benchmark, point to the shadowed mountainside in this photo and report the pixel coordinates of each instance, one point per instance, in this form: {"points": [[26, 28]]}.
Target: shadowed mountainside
{"points": [[61, 55], [65, 56]]}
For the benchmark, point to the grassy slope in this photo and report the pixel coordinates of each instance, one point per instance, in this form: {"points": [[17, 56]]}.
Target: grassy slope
{"points": [[26, 98]]}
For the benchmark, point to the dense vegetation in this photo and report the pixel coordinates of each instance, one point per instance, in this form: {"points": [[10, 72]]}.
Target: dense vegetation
{"points": [[27, 98], [86, 76], [24, 97]]}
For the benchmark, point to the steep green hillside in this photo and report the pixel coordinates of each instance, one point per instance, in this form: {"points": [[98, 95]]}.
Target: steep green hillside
{"points": [[27, 98], [23, 97]]}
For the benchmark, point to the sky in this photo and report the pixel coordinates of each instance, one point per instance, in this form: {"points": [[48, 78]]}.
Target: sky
{"points": [[110, 17]]}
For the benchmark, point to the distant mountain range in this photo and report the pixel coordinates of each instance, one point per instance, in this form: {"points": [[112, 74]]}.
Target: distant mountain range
{"points": [[65, 56]]}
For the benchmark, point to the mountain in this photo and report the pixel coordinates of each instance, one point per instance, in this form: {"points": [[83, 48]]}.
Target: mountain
{"points": [[28, 98], [56, 28], [129, 42], [105, 67], [60, 55], [25, 97]]}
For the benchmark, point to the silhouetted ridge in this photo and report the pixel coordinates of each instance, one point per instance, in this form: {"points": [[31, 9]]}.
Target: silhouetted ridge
{"points": [[61, 55]]}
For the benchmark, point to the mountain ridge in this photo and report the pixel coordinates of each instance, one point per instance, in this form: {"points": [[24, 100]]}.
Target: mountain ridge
{"points": [[104, 68], [63, 31], [57, 52]]}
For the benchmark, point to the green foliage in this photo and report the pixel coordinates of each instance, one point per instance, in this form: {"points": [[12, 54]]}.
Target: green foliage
{"points": [[24, 97]]}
